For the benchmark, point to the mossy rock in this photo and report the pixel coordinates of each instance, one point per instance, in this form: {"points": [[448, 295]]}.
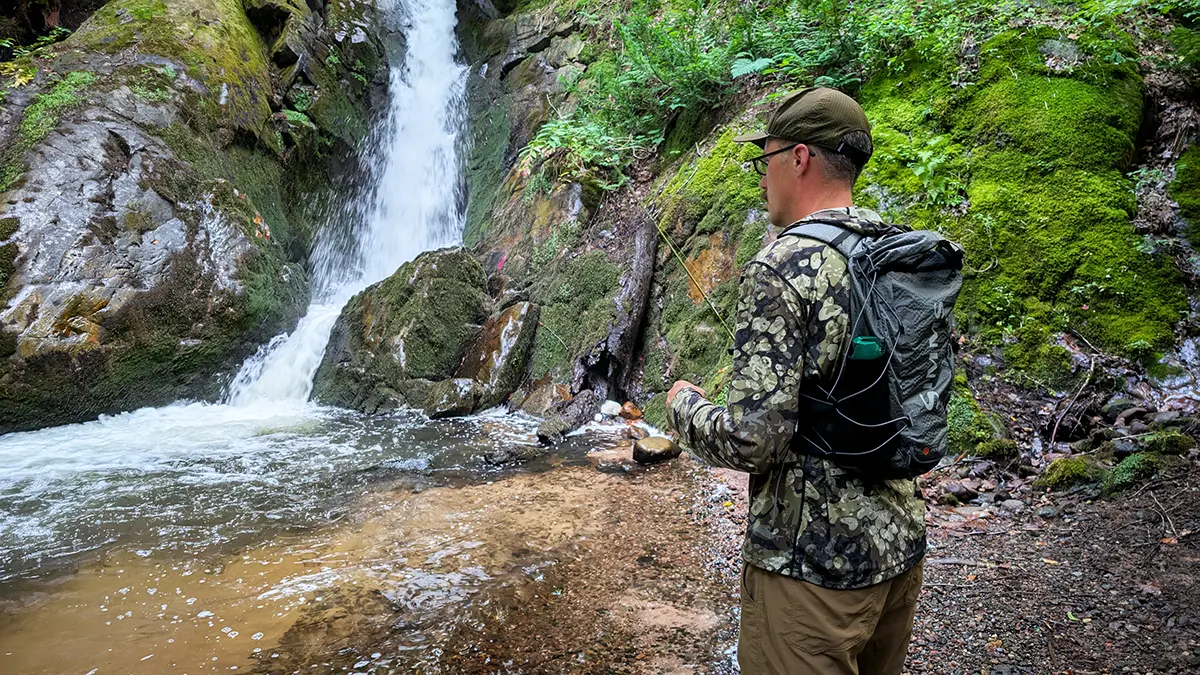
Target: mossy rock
{"points": [[416, 324], [1132, 471], [1169, 443], [1036, 153], [999, 449], [1066, 472], [969, 428], [578, 299], [1185, 190]]}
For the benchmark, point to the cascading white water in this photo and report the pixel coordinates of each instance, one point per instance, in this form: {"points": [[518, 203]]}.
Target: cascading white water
{"points": [[413, 208], [198, 473]]}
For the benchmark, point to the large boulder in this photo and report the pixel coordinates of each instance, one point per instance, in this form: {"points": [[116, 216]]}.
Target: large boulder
{"points": [[415, 325], [152, 233], [498, 358]]}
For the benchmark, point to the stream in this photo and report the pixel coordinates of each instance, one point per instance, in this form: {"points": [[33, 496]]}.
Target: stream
{"points": [[188, 535]]}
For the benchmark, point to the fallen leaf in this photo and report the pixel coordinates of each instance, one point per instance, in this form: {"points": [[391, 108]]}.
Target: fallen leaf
{"points": [[727, 504], [1071, 616], [1050, 562], [1169, 541]]}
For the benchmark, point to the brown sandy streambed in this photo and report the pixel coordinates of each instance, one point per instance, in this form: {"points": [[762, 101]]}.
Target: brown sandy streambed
{"points": [[568, 570]]}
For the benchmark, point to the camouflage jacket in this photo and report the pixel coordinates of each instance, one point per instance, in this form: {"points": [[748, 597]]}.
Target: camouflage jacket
{"points": [[809, 519]]}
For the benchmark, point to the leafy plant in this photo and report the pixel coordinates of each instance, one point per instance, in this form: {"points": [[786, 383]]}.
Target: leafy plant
{"points": [[56, 34]]}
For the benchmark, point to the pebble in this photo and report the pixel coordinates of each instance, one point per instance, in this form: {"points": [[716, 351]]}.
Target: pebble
{"points": [[1014, 505], [1049, 512]]}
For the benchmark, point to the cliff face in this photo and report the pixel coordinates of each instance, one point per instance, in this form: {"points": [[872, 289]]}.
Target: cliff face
{"points": [[605, 183], [162, 171]]}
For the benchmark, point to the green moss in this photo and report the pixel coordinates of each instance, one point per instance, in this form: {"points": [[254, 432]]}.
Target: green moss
{"points": [[1066, 472], [1169, 443], [8, 227], [655, 411], [654, 369], [1132, 470], [490, 131], [138, 219], [8, 259], [157, 95], [752, 242], [1185, 189], [1004, 449], [713, 192], [215, 43], [1037, 154], [578, 307], [44, 113], [40, 118], [695, 336], [968, 424]]}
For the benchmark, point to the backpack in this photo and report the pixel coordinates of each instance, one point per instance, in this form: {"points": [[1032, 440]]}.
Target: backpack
{"points": [[882, 411]]}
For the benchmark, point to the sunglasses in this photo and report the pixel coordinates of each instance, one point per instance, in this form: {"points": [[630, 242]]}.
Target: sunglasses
{"points": [[760, 163]]}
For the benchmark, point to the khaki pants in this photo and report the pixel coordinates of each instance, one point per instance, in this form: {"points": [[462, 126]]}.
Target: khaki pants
{"points": [[792, 627]]}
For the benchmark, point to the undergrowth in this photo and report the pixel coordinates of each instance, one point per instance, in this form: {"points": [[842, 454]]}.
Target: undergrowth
{"points": [[670, 58]]}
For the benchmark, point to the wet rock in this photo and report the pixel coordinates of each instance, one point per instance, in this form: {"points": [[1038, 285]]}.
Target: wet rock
{"points": [[630, 411], [149, 258], [1126, 416], [655, 449], [1165, 418], [1113, 409], [1138, 427], [610, 408], [452, 398], [416, 324], [567, 416], [544, 395], [497, 359], [1124, 447]]}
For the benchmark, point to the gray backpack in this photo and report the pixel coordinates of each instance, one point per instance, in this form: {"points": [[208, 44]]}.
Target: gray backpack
{"points": [[882, 413]]}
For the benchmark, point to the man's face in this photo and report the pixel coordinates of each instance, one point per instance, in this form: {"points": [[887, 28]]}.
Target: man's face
{"points": [[779, 183]]}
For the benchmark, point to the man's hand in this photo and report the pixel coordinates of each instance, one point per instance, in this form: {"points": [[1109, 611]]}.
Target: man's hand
{"points": [[679, 386]]}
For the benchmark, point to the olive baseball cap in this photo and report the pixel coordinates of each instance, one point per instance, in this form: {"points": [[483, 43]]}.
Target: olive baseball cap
{"points": [[815, 116]]}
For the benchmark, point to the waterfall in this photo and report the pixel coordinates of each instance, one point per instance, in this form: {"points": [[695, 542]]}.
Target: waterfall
{"points": [[411, 207]]}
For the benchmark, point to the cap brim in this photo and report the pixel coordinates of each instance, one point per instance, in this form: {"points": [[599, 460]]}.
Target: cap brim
{"points": [[758, 138]]}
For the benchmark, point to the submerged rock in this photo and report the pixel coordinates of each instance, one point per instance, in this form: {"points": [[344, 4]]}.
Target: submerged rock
{"points": [[416, 324]]}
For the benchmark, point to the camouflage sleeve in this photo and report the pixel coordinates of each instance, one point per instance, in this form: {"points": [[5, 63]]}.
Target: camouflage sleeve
{"points": [[753, 432]]}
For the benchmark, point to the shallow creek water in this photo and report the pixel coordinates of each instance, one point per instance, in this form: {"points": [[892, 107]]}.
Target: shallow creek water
{"points": [[366, 520]]}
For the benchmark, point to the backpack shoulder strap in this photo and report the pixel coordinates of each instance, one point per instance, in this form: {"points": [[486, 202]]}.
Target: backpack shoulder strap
{"points": [[829, 232]]}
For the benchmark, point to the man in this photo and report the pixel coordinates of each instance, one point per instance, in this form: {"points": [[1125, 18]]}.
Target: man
{"points": [[832, 563]]}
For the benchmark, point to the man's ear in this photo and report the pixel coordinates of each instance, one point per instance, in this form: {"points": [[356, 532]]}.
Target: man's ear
{"points": [[801, 159]]}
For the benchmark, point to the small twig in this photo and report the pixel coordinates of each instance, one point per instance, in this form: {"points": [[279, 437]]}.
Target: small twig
{"points": [[556, 337], [1086, 381], [1165, 515], [1050, 644]]}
